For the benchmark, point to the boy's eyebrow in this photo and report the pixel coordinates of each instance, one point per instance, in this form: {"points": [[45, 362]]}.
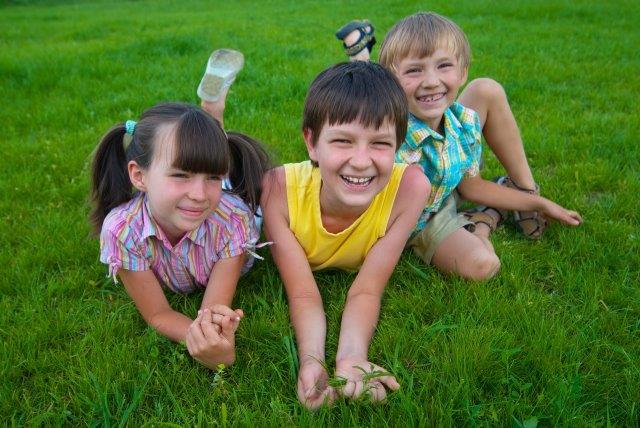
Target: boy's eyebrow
{"points": [[379, 132]]}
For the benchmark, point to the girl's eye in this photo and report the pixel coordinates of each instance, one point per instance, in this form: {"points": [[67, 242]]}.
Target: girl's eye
{"points": [[446, 65], [412, 70], [179, 175], [215, 178]]}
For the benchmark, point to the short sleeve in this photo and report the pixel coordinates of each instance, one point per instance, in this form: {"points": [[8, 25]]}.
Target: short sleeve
{"points": [[473, 139], [119, 249], [240, 228]]}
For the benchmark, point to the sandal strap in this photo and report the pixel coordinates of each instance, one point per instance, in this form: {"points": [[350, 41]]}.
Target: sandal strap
{"points": [[532, 227], [364, 41], [508, 181], [354, 25], [481, 216]]}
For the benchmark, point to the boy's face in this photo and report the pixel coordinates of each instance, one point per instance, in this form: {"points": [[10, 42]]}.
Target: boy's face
{"points": [[431, 84], [355, 164]]}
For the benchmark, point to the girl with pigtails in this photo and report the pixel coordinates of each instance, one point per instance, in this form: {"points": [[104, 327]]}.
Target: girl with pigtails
{"points": [[165, 222]]}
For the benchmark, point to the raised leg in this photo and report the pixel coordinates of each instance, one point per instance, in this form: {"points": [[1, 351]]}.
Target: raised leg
{"points": [[499, 127], [468, 255]]}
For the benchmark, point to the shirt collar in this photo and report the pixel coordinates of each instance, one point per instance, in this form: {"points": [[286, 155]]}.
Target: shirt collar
{"points": [[418, 131], [151, 228]]}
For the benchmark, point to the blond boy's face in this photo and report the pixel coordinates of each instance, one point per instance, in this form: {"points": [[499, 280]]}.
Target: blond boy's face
{"points": [[431, 84]]}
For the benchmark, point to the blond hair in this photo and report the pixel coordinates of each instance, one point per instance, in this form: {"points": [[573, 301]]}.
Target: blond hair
{"points": [[420, 35]]}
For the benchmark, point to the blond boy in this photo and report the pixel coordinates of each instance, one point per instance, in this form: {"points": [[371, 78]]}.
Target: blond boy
{"points": [[430, 56]]}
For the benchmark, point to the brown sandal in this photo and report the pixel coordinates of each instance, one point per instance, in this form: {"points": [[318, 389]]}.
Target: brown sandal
{"points": [[531, 223], [479, 215]]}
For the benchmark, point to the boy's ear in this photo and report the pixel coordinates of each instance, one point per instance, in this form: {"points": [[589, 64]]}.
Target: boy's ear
{"points": [[136, 175], [308, 141]]}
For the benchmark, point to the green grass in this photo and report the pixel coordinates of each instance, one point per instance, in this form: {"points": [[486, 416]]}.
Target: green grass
{"points": [[554, 339]]}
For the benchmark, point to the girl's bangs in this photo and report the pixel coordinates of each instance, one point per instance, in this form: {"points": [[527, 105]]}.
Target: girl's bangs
{"points": [[201, 146]]}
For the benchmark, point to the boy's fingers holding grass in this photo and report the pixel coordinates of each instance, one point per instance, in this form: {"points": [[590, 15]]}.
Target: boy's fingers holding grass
{"points": [[376, 391], [389, 381]]}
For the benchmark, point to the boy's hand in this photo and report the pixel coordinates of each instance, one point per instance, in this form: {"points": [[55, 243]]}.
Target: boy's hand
{"points": [[553, 211], [212, 343], [364, 377], [313, 387]]}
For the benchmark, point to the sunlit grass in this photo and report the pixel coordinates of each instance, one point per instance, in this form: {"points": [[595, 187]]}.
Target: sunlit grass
{"points": [[554, 339]]}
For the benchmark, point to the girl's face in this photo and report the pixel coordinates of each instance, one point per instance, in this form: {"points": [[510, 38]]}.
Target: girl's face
{"points": [[179, 200]]}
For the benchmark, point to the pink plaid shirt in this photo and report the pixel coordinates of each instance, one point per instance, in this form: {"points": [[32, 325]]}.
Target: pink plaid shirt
{"points": [[132, 240]]}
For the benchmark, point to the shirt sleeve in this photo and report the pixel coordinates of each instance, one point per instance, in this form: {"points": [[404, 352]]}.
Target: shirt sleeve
{"points": [[241, 230], [473, 137], [118, 248]]}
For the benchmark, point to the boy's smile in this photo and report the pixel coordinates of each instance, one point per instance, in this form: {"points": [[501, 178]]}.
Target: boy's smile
{"points": [[431, 84], [355, 164]]}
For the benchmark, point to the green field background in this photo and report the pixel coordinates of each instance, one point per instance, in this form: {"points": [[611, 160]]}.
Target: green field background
{"points": [[553, 340]]}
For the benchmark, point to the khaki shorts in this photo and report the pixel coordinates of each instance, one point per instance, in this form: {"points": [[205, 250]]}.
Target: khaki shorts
{"points": [[440, 225]]}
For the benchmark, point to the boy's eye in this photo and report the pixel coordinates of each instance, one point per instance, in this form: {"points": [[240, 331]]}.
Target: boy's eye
{"points": [[215, 178], [383, 144], [179, 175], [340, 141]]}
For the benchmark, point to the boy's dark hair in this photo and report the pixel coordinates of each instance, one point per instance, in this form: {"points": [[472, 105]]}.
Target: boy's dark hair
{"points": [[201, 146], [358, 90]]}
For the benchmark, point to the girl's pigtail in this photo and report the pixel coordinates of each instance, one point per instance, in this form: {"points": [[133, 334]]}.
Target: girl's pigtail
{"points": [[249, 162], [110, 184]]}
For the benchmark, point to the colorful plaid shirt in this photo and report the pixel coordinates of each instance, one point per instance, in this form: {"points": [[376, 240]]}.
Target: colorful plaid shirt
{"points": [[447, 159], [132, 240]]}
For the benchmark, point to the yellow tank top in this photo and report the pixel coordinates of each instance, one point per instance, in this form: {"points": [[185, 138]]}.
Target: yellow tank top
{"points": [[346, 249]]}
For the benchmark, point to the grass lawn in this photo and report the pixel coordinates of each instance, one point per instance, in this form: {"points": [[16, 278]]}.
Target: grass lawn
{"points": [[554, 339]]}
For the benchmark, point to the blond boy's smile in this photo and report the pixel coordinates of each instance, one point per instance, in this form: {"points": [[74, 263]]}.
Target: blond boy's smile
{"points": [[431, 84]]}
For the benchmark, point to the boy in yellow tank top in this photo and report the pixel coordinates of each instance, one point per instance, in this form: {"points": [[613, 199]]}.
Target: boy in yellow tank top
{"points": [[350, 207]]}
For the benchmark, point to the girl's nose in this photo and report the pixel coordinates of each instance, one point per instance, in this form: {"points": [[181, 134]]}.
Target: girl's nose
{"points": [[197, 190]]}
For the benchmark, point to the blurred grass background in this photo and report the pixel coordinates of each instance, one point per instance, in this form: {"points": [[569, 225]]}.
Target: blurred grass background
{"points": [[554, 339]]}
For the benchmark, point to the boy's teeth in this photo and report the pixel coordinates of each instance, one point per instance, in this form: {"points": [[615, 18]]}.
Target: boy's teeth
{"points": [[429, 98], [357, 180]]}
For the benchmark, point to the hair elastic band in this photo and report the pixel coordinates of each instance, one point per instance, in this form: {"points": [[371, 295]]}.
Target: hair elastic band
{"points": [[129, 127]]}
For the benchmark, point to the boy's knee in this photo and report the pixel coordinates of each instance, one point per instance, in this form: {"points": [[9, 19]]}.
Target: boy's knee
{"points": [[487, 88], [482, 265]]}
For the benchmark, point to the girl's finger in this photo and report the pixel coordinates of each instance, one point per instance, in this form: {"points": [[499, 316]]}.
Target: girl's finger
{"points": [[229, 326], [210, 331], [224, 310]]}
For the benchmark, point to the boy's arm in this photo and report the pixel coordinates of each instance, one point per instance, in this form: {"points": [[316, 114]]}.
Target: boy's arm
{"points": [[480, 191], [362, 307], [305, 303]]}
